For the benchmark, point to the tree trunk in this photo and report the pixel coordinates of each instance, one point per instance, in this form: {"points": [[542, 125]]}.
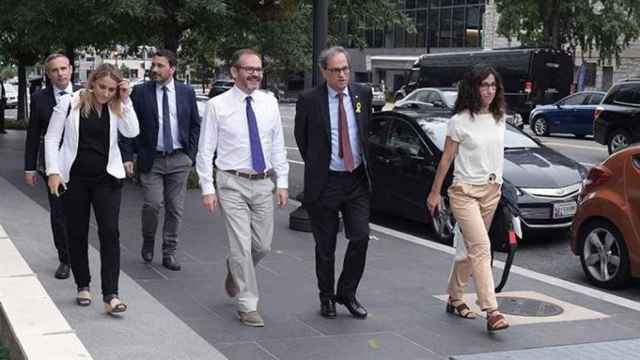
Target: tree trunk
{"points": [[551, 25], [69, 51], [22, 91], [172, 39]]}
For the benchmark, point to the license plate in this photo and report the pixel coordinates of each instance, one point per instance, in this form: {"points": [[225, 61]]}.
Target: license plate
{"points": [[563, 210]]}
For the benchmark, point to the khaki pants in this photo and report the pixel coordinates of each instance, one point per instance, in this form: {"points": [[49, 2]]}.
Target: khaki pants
{"points": [[473, 207], [247, 206]]}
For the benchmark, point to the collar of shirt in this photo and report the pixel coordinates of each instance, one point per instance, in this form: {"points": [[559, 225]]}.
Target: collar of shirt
{"points": [[171, 86], [68, 89], [240, 95], [333, 93]]}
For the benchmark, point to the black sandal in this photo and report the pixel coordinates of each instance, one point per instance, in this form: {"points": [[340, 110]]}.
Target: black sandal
{"points": [[84, 296], [120, 307], [461, 310]]}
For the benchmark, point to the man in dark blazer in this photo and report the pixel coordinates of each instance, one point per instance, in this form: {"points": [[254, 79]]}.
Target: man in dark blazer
{"points": [[166, 149], [42, 103], [331, 126]]}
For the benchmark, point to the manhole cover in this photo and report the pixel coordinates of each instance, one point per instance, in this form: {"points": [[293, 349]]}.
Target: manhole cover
{"points": [[520, 306]]}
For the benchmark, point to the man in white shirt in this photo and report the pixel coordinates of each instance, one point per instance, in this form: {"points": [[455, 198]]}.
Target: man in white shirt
{"points": [[42, 103], [244, 128]]}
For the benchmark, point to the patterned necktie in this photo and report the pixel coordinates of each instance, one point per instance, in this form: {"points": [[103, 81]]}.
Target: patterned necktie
{"points": [[257, 158], [343, 136], [166, 122]]}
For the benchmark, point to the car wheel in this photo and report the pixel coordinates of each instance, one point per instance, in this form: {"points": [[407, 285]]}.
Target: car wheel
{"points": [[618, 140], [604, 255], [442, 223], [540, 127]]}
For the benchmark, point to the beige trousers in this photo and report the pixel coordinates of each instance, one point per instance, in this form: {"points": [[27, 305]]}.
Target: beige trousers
{"points": [[247, 206], [473, 207]]}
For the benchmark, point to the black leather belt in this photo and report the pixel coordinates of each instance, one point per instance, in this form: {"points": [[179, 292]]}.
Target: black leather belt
{"points": [[261, 176], [168, 153], [357, 170]]}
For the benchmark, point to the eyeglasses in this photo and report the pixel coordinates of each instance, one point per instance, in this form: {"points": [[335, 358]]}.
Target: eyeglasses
{"points": [[486, 85], [251, 69], [336, 71]]}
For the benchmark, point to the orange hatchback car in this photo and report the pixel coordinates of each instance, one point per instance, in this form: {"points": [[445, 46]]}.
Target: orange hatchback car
{"points": [[605, 233]]}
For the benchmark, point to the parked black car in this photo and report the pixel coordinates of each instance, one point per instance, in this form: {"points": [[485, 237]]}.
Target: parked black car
{"points": [[616, 122], [405, 149]]}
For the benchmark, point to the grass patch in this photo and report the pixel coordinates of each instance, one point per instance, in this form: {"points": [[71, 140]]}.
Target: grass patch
{"points": [[4, 353], [13, 124]]}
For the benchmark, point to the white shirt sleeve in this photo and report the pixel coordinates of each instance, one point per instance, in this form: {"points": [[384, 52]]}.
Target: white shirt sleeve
{"points": [[54, 135], [452, 129], [207, 144], [279, 152]]}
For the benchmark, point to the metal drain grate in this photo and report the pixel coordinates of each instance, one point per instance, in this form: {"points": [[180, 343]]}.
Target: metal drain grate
{"points": [[520, 306]]}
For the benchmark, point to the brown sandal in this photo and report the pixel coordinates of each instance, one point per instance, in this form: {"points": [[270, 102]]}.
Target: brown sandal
{"points": [[496, 321], [461, 309], [84, 297]]}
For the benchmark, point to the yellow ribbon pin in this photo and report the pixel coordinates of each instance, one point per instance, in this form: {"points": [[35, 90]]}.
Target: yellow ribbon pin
{"points": [[358, 107]]}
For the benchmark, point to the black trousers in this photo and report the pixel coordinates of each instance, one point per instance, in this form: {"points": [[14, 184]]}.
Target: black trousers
{"points": [[104, 196], [58, 225], [346, 194]]}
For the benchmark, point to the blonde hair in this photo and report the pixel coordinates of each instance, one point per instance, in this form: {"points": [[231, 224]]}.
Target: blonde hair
{"points": [[87, 97]]}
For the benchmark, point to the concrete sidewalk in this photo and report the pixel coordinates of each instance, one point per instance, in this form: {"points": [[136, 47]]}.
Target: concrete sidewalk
{"points": [[186, 314]]}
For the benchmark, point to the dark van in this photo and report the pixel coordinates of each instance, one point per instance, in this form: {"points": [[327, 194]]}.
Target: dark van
{"points": [[530, 76]]}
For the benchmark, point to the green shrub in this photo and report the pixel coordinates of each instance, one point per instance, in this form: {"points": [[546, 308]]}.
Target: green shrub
{"points": [[13, 124]]}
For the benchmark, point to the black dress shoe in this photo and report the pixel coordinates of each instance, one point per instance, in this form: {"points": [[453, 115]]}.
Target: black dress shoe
{"points": [[355, 308], [147, 255], [62, 272], [170, 262], [328, 308]]}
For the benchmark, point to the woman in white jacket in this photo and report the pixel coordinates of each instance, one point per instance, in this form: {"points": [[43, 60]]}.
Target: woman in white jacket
{"points": [[88, 169]]}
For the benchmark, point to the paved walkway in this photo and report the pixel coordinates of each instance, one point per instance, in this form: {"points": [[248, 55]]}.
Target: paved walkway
{"points": [[186, 314]]}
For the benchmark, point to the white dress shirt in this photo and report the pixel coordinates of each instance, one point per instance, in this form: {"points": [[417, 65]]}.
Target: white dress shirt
{"points": [[173, 115], [225, 130], [56, 91], [60, 160], [337, 163]]}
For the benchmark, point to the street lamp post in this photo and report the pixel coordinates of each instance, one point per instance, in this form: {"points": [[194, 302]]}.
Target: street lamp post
{"points": [[299, 218], [320, 26]]}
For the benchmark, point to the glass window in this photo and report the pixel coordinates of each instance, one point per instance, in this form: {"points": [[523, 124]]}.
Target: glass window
{"points": [[410, 4], [434, 27], [626, 94], [444, 35], [421, 27], [398, 36], [405, 140], [420, 4], [410, 38], [577, 99], [472, 27], [459, 2], [423, 96], [458, 27], [595, 99], [378, 130]]}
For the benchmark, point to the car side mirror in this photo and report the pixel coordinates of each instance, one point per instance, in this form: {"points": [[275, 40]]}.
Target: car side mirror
{"points": [[438, 103]]}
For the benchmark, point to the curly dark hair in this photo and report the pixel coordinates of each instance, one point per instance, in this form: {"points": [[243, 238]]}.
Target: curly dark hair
{"points": [[469, 92]]}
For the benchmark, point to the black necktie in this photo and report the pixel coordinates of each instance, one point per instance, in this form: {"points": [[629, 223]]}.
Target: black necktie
{"points": [[166, 122]]}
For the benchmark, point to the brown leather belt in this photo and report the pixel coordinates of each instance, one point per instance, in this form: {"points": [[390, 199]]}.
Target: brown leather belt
{"points": [[265, 175]]}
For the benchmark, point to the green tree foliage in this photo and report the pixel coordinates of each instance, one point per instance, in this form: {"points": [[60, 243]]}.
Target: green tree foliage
{"points": [[607, 26]]}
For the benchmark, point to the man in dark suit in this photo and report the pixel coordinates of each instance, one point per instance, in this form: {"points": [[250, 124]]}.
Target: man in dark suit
{"points": [[166, 148], [42, 103], [331, 127]]}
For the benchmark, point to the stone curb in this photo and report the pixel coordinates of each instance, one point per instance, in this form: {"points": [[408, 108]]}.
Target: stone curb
{"points": [[31, 325]]}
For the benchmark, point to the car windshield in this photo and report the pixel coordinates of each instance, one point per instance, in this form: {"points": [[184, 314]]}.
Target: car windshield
{"points": [[450, 97], [436, 130]]}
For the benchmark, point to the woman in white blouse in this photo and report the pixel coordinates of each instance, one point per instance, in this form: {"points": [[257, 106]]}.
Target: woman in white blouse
{"points": [[87, 171], [475, 139]]}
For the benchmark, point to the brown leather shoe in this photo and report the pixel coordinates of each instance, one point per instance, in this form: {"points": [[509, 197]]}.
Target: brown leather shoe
{"points": [[251, 318], [230, 285]]}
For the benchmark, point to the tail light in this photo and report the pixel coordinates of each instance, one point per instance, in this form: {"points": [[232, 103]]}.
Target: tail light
{"points": [[597, 176], [528, 86], [597, 112], [513, 239]]}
